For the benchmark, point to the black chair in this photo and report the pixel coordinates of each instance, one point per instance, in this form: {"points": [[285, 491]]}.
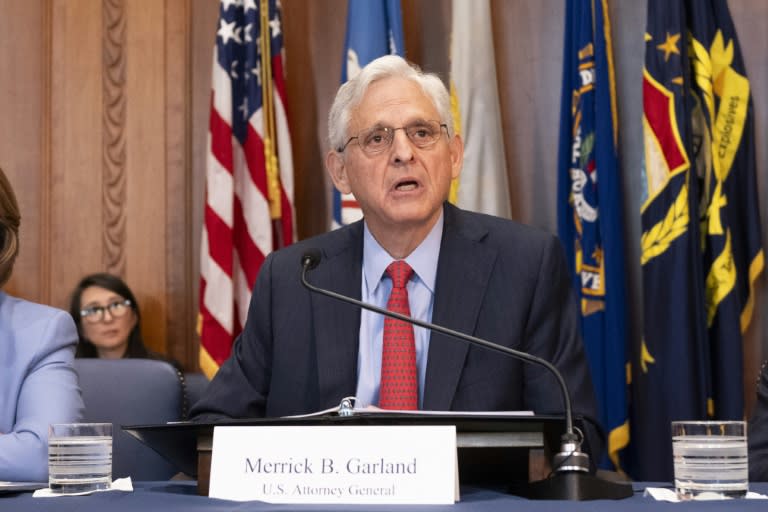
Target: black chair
{"points": [[132, 392]]}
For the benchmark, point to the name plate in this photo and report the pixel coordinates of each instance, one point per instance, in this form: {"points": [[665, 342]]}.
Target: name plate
{"points": [[335, 464]]}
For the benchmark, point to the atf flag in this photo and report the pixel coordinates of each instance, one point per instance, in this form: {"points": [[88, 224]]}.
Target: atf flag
{"points": [[723, 138], [589, 208], [374, 28], [701, 250]]}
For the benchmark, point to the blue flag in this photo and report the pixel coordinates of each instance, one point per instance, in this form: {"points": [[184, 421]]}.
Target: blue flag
{"points": [[374, 28], [701, 249], [589, 209]]}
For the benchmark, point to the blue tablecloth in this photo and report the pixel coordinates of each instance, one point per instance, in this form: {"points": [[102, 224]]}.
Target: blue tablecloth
{"points": [[181, 496]]}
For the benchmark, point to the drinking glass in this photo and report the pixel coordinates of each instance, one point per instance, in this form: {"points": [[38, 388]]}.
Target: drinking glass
{"points": [[710, 459], [79, 457]]}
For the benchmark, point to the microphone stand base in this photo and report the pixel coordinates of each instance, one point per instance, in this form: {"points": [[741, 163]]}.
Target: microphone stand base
{"points": [[574, 486]]}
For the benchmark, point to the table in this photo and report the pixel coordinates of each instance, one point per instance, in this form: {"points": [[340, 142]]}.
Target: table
{"points": [[181, 496]]}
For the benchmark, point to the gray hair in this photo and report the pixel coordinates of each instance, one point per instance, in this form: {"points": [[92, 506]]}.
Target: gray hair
{"points": [[351, 93]]}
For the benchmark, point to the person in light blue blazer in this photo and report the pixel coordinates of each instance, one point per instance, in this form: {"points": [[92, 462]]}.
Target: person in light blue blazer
{"points": [[38, 384]]}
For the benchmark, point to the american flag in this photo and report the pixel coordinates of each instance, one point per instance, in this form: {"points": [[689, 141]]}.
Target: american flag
{"points": [[249, 177]]}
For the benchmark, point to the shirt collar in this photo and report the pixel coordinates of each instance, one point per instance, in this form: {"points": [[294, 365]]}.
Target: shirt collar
{"points": [[423, 259]]}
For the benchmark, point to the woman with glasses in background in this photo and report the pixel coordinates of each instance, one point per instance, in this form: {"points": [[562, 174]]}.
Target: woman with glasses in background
{"points": [[108, 320]]}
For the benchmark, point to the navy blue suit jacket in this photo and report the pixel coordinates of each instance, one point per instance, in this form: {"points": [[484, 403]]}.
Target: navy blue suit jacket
{"points": [[496, 279]]}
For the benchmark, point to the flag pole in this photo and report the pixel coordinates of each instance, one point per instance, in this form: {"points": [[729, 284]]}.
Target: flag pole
{"points": [[270, 154]]}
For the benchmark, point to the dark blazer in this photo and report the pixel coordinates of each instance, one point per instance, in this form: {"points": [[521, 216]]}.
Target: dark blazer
{"points": [[758, 431], [496, 279]]}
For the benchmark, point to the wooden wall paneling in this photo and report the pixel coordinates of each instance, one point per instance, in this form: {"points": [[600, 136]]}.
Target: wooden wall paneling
{"points": [[412, 31], [22, 150], [427, 26], [44, 273], [181, 342], [146, 199], [327, 31], [76, 183]]}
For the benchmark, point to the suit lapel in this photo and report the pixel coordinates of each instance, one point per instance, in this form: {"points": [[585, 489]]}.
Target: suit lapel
{"points": [[336, 324], [464, 269]]}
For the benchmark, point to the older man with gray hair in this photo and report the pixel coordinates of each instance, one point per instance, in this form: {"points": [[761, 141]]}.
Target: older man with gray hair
{"points": [[393, 147]]}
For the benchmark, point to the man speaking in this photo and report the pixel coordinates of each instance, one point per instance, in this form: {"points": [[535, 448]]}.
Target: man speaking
{"points": [[393, 147]]}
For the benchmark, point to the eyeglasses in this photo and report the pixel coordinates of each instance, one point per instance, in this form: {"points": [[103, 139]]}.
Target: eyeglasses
{"points": [[423, 134], [95, 314]]}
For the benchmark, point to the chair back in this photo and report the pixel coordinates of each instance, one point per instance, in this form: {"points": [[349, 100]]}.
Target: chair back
{"points": [[132, 392]]}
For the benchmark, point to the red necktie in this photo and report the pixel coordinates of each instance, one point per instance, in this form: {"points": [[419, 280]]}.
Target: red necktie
{"points": [[398, 388]]}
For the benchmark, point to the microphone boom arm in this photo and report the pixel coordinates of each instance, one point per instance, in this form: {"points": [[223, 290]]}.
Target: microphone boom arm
{"points": [[307, 263]]}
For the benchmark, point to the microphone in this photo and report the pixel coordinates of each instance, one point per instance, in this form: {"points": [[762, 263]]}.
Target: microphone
{"points": [[572, 479]]}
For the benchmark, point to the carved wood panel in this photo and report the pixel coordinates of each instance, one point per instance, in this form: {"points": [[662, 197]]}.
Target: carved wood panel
{"points": [[114, 116]]}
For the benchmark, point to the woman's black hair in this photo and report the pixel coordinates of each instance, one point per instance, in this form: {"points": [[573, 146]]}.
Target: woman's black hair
{"points": [[116, 285]]}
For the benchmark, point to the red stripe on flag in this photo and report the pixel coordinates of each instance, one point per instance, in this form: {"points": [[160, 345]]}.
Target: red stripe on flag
{"points": [[219, 240], [287, 219], [221, 139]]}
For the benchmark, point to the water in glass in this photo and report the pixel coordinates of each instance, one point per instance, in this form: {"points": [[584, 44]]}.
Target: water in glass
{"points": [[79, 464], [712, 464]]}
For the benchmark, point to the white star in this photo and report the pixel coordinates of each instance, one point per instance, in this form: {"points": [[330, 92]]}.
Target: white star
{"points": [[248, 33], [244, 107], [250, 4], [226, 4], [274, 23], [233, 70], [227, 31]]}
